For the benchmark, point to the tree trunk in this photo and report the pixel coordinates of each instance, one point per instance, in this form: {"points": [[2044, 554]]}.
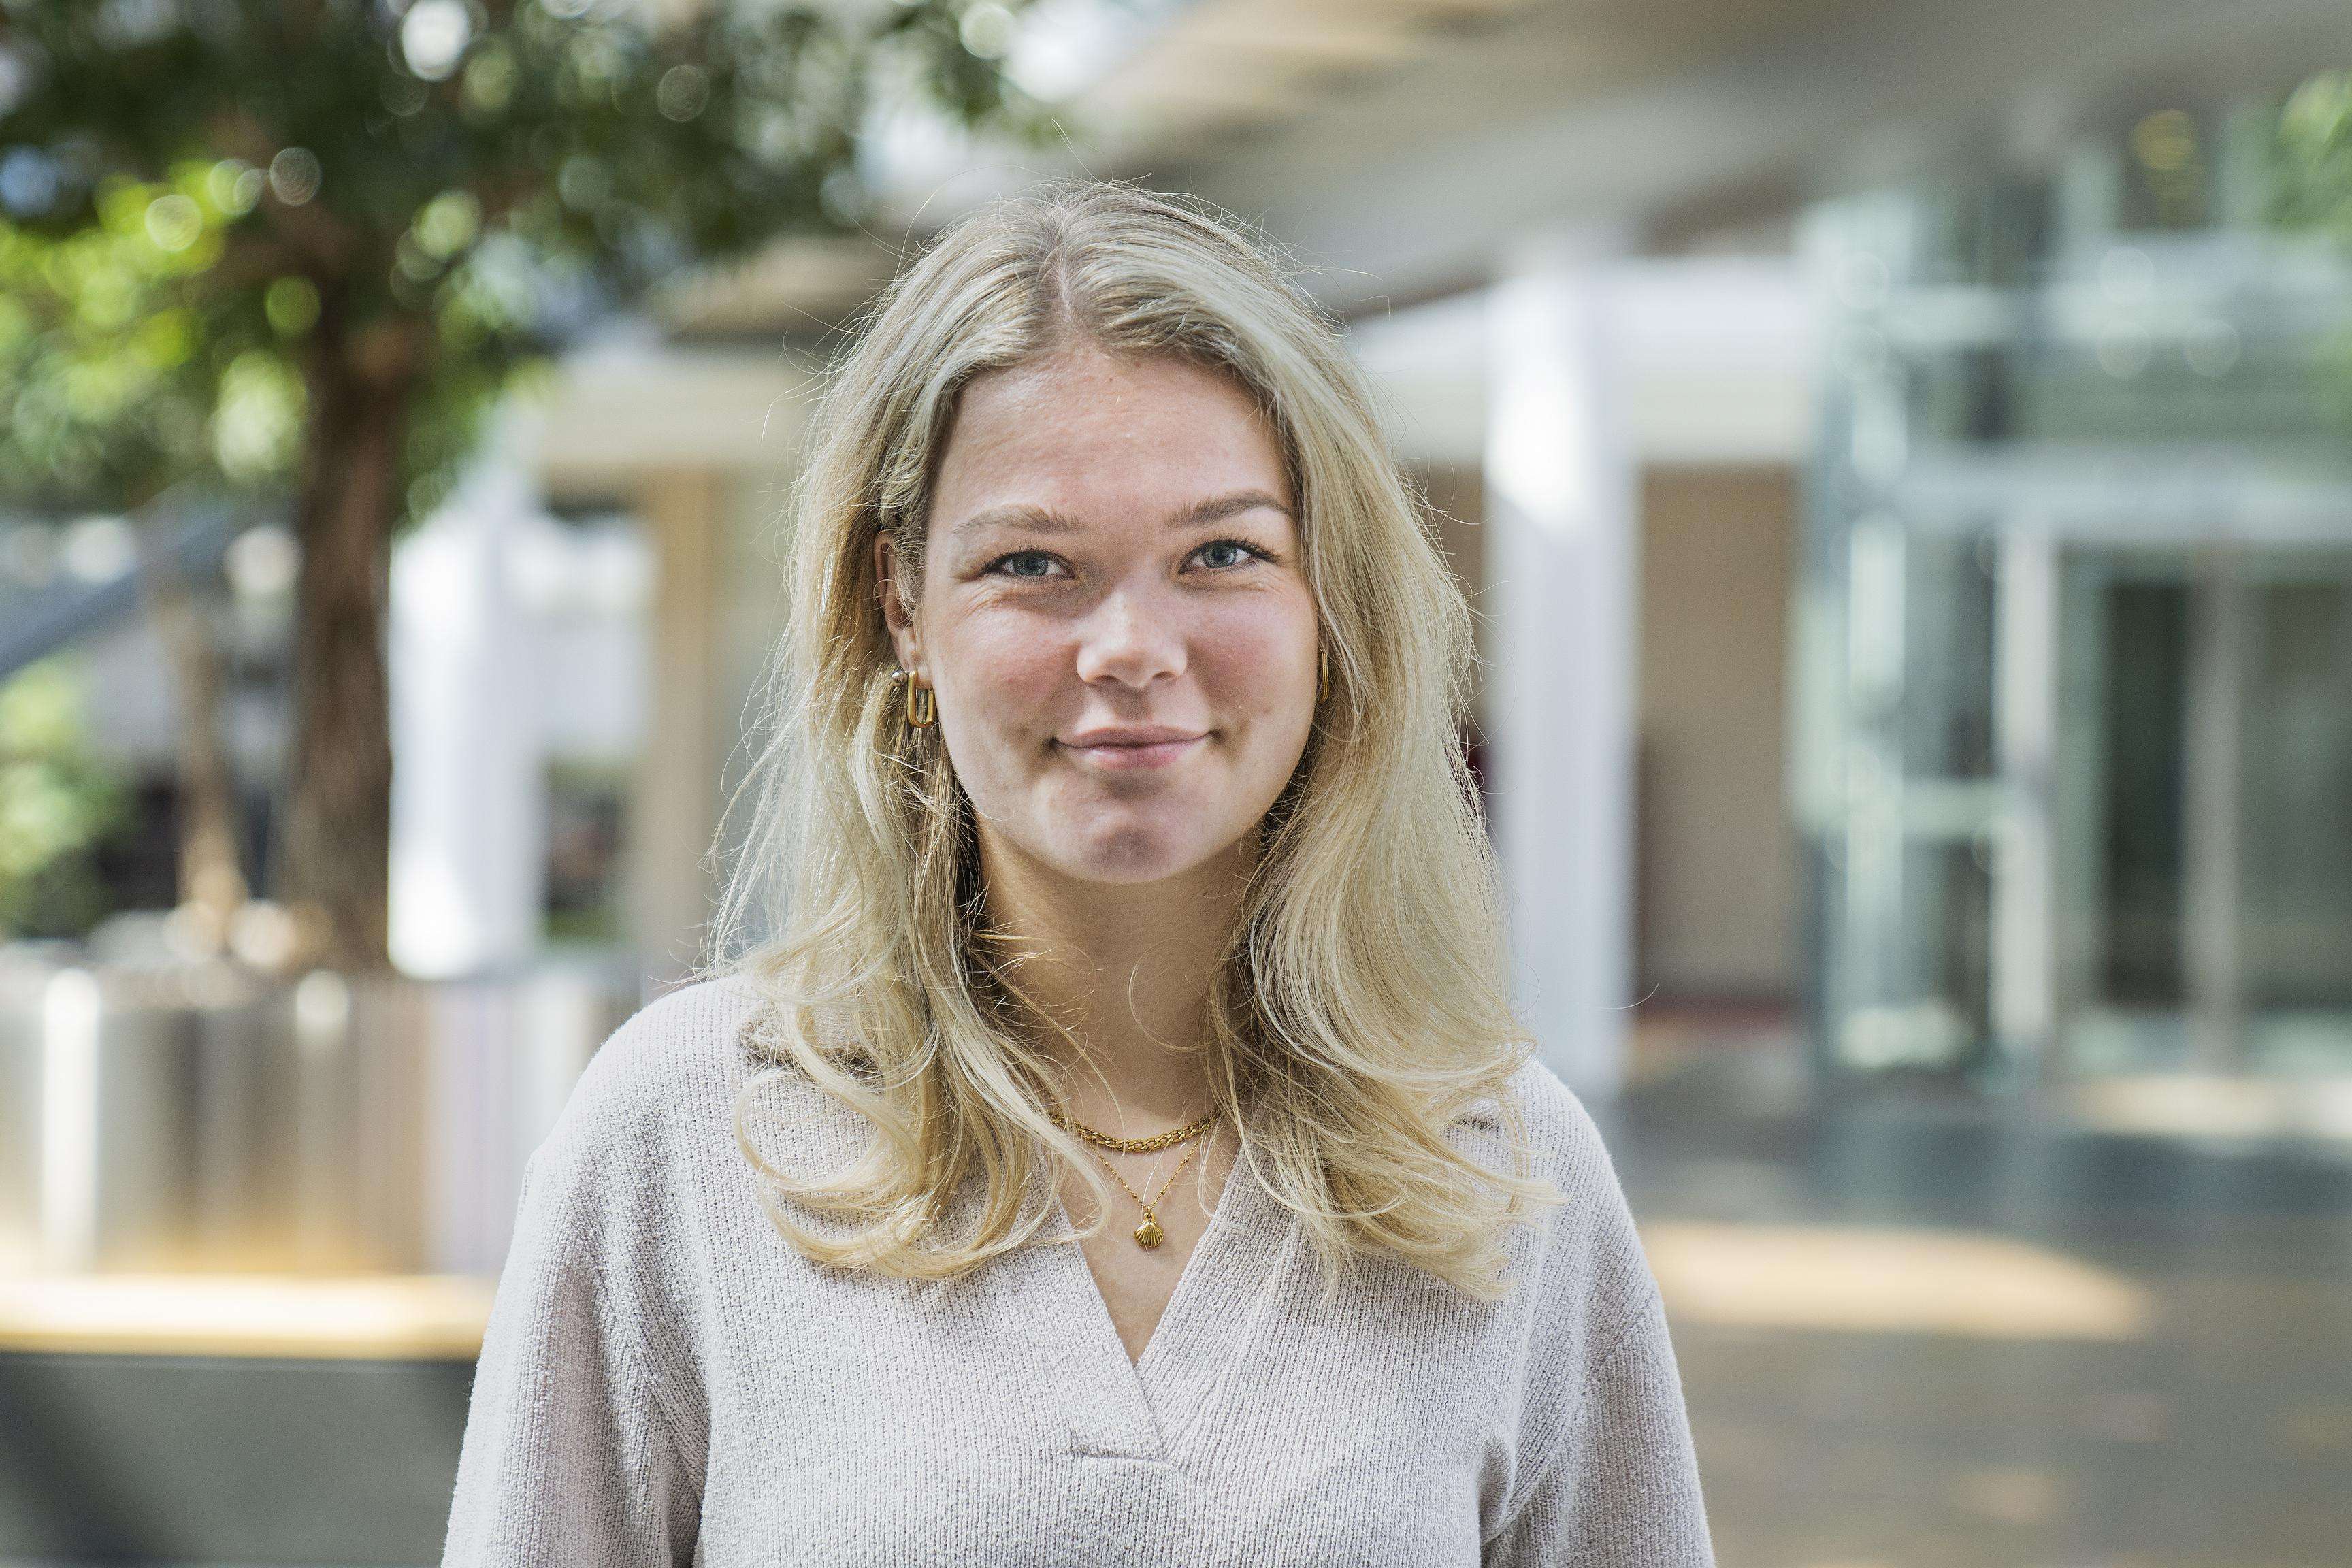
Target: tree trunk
{"points": [[210, 879], [339, 810]]}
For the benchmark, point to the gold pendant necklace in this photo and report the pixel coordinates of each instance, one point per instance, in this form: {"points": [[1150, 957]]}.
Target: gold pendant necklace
{"points": [[1148, 1233]]}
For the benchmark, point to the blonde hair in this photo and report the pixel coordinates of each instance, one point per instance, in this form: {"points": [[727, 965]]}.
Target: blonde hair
{"points": [[1358, 1011]]}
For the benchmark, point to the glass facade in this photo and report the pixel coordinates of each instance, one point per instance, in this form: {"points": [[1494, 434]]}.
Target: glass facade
{"points": [[2075, 713]]}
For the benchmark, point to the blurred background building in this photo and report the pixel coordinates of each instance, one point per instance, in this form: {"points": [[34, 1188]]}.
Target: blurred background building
{"points": [[1899, 455]]}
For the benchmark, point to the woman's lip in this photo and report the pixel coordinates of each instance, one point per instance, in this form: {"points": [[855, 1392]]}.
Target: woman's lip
{"points": [[1121, 758]]}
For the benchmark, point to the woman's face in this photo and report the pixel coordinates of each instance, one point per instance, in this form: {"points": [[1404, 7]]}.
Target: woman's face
{"points": [[1113, 616]]}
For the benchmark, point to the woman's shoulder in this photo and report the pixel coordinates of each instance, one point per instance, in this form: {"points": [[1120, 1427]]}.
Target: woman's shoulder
{"points": [[671, 1088], [661, 1088], [1556, 1128], [685, 1043]]}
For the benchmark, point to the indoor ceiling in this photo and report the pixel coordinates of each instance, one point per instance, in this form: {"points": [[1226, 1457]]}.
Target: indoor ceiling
{"points": [[1225, 78], [1213, 82], [1402, 147]]}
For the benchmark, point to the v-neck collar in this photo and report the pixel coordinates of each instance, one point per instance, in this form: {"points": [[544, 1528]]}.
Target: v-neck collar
{"points": [[1150, 1407]]}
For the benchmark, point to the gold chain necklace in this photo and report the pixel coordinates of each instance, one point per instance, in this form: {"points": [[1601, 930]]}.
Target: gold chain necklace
{"points": [[1152, 1144], [1148, 1234]]}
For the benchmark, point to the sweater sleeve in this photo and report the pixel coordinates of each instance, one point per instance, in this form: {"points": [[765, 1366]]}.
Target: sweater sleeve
{"points": [[1620, 1488], [1606, 1474], [570, 1456]]}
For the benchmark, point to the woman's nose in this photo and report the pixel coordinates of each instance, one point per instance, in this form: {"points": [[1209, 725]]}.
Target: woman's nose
{"points": [[1129, 641]]}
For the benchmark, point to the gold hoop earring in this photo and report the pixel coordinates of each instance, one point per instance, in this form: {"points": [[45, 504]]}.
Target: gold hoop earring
{"points": [[921, 709], [1323, 686]]}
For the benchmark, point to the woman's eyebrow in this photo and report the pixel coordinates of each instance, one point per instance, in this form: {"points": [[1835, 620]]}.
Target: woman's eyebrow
{"points": [[1016, 514], [1045, 519], [1220, 507]]}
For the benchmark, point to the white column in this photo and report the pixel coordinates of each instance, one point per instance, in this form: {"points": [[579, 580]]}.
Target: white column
{"points": [[468, 802], [675, 818], [1561, 504], [70, 1014], [2025, 709]]}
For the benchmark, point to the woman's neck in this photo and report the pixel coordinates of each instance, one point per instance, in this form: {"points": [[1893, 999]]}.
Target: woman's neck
{"points": [[1126, 969]]}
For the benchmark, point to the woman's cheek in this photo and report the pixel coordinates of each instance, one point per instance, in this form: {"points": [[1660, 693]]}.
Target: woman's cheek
{"points": [[1257, 656], [1013, 665]]}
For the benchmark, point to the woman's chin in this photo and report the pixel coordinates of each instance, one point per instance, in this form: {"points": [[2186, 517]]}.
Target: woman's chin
{"points": [[1132, 858], [1131, 871]]}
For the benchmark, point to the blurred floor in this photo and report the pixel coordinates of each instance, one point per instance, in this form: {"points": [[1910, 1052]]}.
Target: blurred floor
{"points": [[2075, 1350], [216, 1460]]}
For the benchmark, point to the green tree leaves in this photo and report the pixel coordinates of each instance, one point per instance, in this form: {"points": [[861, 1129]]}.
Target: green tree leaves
{"points": [[56, 805]]}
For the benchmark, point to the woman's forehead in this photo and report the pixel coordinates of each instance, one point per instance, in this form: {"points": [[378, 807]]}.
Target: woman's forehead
{"points": [[1060, 434]]}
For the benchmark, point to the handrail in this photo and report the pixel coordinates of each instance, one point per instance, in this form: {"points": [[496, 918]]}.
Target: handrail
{"points": [[55, 616]]}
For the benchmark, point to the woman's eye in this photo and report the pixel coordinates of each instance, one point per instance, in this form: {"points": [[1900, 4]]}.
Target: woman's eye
{"points": [[1037, 565], [1027, 563]]}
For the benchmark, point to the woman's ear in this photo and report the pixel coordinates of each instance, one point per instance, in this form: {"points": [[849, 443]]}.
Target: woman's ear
{"points": [[889, 585]]}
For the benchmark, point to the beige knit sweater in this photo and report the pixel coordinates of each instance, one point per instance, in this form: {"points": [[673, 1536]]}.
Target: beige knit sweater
{"points": [[665, 1381]]}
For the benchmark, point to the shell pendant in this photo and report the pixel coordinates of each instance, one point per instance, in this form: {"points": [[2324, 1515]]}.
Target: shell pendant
{"points": [[1148, 1234]]}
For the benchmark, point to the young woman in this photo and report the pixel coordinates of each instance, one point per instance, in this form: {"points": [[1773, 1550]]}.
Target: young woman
{"points": [[1107, 1141]]}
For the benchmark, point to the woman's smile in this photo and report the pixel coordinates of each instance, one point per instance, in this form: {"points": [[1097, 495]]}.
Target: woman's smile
{"points": [[1131, 748]]}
